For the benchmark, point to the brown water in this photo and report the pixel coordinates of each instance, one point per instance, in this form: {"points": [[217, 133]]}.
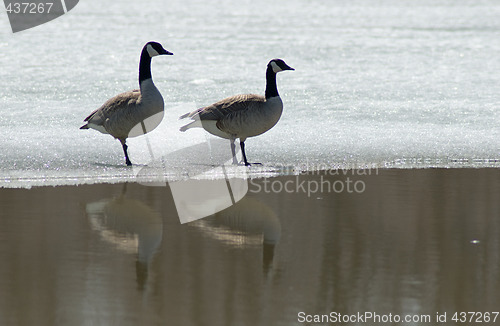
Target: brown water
{"points": [[415, 242]]}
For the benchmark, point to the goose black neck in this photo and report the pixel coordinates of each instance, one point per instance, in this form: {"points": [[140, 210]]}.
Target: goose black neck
{"points": [[271, 87], [144, 66]]}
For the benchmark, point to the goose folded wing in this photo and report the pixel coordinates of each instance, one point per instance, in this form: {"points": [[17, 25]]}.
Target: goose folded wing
{"points": [[228, 106], [113, 105]]}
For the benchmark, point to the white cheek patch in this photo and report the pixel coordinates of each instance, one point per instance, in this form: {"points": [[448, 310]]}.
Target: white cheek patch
{"points": [[152, 52], [275, 67]]}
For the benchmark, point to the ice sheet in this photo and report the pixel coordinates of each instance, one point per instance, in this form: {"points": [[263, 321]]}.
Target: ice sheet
{"points": [[385, 85]]}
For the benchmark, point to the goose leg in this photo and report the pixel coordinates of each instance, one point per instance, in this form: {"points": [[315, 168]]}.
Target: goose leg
{"points": [[125, 147], [233, 151], [242, 145]]}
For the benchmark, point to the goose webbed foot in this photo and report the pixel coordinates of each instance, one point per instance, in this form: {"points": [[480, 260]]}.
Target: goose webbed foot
{"points": [[249, 164]]}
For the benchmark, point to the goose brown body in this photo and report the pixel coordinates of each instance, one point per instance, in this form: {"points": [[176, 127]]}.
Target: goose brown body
{"points": [[242, 116], [121, 113]]}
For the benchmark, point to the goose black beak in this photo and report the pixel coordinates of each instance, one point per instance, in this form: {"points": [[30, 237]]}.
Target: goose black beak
{"points": [[167, 53]]}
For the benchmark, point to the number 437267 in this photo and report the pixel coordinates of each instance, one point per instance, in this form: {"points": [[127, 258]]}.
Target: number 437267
{"points": [[475, 317], [29, 8]]}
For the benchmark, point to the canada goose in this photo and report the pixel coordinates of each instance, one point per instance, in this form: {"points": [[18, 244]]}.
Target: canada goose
{"points": [[123, 112], [242, 116]]}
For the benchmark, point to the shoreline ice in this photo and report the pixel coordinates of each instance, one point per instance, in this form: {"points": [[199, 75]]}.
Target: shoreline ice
{"points": [[160, 176]]}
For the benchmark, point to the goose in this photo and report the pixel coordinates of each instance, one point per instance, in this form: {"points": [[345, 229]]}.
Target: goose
{"points": [[118, 115], [242, 116]]}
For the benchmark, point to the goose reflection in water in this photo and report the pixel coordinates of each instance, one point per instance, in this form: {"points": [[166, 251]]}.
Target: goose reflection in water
{"points": [[131, 226], [246, 223]]}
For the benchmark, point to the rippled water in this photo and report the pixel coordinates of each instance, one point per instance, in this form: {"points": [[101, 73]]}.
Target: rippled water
{"points": [[398, 84]]}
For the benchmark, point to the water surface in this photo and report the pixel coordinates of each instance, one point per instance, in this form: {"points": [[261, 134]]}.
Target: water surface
{"points": [[414, 242]]}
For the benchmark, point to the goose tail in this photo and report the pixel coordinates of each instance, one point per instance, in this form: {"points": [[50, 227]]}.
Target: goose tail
{"points": [[184, 128], [85, 126], [192, 124], [184, 116]]}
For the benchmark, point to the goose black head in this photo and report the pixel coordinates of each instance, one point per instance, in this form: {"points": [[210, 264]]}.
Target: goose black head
{"points": [[278, 65], [155, 48]]}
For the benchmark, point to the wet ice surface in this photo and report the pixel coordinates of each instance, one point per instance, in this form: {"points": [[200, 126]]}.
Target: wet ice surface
{"points": [[389, 85]]}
